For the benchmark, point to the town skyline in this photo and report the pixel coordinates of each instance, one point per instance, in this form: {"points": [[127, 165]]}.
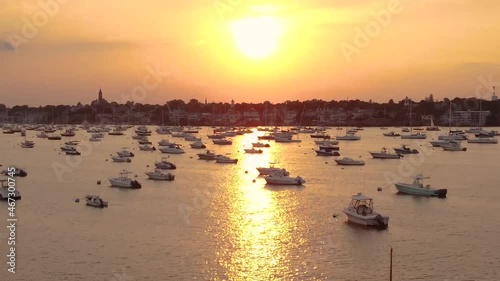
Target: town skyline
{"points": [[371, 49]]}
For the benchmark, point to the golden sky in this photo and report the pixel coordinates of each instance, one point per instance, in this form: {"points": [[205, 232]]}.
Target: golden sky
{"points": [[198, 49]]}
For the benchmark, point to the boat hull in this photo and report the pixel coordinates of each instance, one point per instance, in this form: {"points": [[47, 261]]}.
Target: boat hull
{"points": [[376, 220], [414, 190]]}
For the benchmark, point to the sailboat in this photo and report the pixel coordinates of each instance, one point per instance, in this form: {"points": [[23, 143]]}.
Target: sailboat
{"points": [[412, 135], [348, 136], [432, 127]]}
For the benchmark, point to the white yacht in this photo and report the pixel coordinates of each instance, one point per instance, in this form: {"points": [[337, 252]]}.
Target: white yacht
{"points": [[384, 154], [361, 211], [326, 142], [483, 140], [453, 136], [172, 149], [272, 170], [42, 135], [95, 201], [124, 181], [27, 144], [189, 137], [326, 152], [222, 141], [253, 151], [405, 150], [453, 146], [348, 137], [163, 130], [418, 188], [144, 140], [197, 144], [165, 142], [159, 175], [67, 148], [121, 159], [260, 144], [347, 161], [225, 159], [414, 136], [125, 153], [391, 134], [4, 191], [116, 132], [147, 147], [440, 143], [208, 155], [98, 135], [282, 179], [165, 164]]}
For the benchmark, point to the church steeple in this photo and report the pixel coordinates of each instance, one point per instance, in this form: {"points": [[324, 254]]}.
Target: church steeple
{"points": [[100, 96]]}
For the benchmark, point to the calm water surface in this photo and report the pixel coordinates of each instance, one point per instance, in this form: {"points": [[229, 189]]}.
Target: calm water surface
{"points": [[215, 223]]}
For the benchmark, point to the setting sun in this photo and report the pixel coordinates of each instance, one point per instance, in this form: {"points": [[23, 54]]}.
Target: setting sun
{"points": [[257, 37]]}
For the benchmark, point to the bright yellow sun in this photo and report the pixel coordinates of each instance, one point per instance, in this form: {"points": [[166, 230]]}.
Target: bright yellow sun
{"points": [[257, 37]]}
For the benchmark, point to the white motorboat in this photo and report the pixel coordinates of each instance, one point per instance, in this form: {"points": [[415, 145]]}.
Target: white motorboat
{"points": [[453, 136], [191, 138], [124, 181], [453, 146], [197, 144], [159, 175], [18, 172], [95, 201], [73, 152], [27, 144], [225, 159], [172, 149], [384, 154], [68, 133], [179, 134], [440, 143], [95, 139], [116, 132], [163, 130], [348, 137], [125, 153], [260, 144], [54, 137], [320, 135], [208, 155], [328, 146], [72, 143], [222, 141], [253, 151], [165, 142], [361, 211], [67, 148], [5, 194], [418, 188], [121, 159], [405, 150], [144, 140], [272, 170], [286, 139], [326, 142], [282, 179], [347, 161], [98, 135], [405, 130], [326, 152], [474, 130], [147, 147], [414, 136], [165, 164], [391, 134], [483, 140], [42, 135]]}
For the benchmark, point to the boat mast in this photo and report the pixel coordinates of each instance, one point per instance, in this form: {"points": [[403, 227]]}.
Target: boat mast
{"points": [[449, 120], [390, 272]]}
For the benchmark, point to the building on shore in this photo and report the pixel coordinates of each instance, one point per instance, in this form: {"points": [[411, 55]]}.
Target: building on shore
{"points": [[469, 118]]}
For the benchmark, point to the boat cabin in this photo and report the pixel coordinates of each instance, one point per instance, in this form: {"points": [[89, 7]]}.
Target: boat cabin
{"points": [[362, 204]]}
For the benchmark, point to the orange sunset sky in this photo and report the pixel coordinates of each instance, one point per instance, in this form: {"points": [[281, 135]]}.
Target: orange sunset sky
{"points": [[251, 51]]}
